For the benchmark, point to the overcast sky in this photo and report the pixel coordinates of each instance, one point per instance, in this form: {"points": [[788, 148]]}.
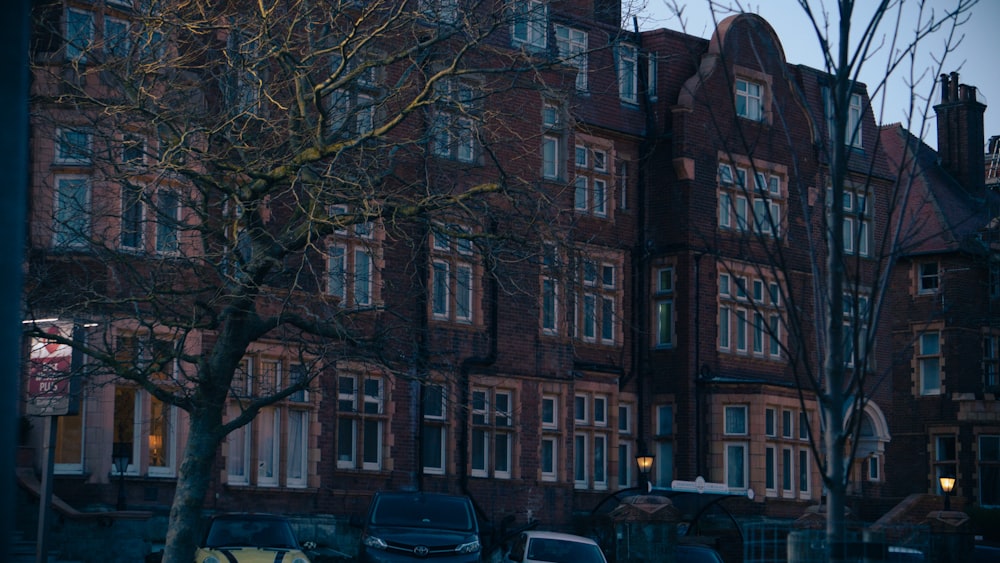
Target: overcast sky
{"points": [[977, 58]]}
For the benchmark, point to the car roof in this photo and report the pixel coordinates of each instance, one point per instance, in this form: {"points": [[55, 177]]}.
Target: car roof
{"points": [[248, 516], [558, 536]]}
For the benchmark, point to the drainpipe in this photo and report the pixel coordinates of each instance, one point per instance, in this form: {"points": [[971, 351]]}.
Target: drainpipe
{"points": [[642, 248], [698, 432]]}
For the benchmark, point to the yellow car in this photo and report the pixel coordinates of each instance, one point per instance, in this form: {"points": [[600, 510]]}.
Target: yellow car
{"points": [[250, 538]]}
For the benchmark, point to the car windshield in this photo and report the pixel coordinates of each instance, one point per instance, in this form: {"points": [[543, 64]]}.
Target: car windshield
{"points": [[420, 511], [250, 533], [562, 551]]}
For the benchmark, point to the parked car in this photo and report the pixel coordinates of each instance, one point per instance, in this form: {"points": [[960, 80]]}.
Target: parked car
{"points": [[696, 553], [249, 538], [537, 546], [405, 526]]}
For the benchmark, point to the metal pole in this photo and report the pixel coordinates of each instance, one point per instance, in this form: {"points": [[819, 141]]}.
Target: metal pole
{"points": [[45, 495]]}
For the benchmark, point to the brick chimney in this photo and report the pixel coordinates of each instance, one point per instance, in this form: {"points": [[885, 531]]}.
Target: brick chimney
{"points": [[960, 133], [608, 12]]}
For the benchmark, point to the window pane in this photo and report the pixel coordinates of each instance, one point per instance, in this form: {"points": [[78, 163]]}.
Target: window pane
{"points": [[373, 442], [346, 433]]}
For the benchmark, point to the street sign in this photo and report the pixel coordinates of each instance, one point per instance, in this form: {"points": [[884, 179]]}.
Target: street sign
{"points": [[699, 485], [51, 381]]}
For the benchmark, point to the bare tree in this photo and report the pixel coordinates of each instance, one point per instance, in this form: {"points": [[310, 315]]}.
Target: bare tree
{"points": [[223, 147], [833, 299]]}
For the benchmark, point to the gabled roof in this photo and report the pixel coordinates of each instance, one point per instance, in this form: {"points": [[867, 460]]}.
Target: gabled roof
{"points": [[942, 216]]}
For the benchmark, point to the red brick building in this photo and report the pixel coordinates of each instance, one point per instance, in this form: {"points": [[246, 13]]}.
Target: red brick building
{"points": [[944, 311], [648, 283]]}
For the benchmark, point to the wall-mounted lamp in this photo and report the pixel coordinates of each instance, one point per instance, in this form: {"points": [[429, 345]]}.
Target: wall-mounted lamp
{"points": [[645, 463], [947, 483]]}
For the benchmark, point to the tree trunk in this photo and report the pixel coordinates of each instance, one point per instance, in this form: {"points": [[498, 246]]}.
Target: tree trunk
{"points": [[192, 483]]}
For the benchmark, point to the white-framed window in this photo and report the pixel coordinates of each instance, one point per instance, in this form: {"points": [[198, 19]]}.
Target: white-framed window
{"points": [[787, 472], [581, 414], [945, 459], [769, 422], [452, 280], [492, 433], [664, 304], [600, 459], [735, 420], [168, 221], [70, 442], [590, 194], [297, 449], [855, 112], [72, 217], [736, 465], [741, 330], [276, 442], [529, 23], [929, 361], [624, 419], [116, 37], [991, 361], [360, 421], [786, 424], [551, 157], [133, 150], [550, 412], [572, 47], [873, 469], [770, 471], [596, 303], [434, 433], [651, 73], [628, 73], [625, 463], [549, 458], [161, 439], [664, 443], [988, 470], [600, 410], [749, 99], [550, 305], [238, 453], [929, 277], [756, 331], [74, 146], [453, 132], [133, 219], [581, 479], [79, 35], [759, 209], [725, 328], [350, 272], [550, 290], [268, 429], [439, 11], [858, 219]]}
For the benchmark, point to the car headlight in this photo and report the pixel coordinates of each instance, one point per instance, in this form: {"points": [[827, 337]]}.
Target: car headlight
{"points": [[299, 560], [374, 542], [211, 559], [470, 547]]}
